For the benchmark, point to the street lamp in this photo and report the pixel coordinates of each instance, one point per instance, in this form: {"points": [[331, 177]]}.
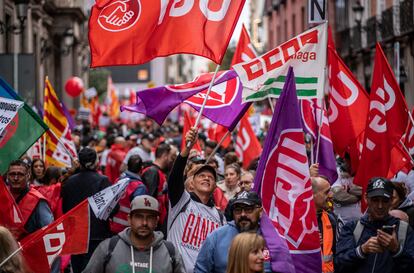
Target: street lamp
{"points": [[358, 10], [21, 10], [47, 47], [68, 41]]}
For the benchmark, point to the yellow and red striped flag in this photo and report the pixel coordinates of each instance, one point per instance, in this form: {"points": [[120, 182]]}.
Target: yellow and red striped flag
{"points": [[112, 101], [58, 139]]}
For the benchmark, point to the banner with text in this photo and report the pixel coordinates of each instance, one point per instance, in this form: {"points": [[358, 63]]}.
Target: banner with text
{"points": [[8, 110], [103, 202], [265, 76]]}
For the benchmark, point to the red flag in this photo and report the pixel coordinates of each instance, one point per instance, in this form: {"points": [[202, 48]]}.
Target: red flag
{"points": [[188, 123], [247, 145], [348, 107], [244, 50], [95, 110], [67, 235], [386, 123], [331, 42], [216, 132], [135, 32], [10, 215]]}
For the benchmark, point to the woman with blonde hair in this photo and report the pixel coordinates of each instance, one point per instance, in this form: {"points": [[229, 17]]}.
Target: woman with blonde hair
{"points": [[8, 246], [246, 254]]}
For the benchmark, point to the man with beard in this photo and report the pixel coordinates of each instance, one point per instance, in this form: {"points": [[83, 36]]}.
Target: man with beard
{"points": [[138, 248], [246, 208]]}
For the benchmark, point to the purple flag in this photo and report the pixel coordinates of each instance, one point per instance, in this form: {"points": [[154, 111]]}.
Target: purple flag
{"points": [[158, 102], [68, 116], [283, 181], [224, 104], [311, 115]]}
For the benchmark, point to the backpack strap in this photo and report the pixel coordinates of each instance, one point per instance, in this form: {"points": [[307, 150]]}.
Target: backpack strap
{"points": [[359, 228], [221, 215], [171, 251], [112, 243], [402, 233], [181, 211]]}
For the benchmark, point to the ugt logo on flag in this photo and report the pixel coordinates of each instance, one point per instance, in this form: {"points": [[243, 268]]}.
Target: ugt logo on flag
{"points": [[120, 15]]}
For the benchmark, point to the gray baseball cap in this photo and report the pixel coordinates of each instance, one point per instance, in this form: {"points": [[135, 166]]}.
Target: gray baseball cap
{"points": [[145, 202]]}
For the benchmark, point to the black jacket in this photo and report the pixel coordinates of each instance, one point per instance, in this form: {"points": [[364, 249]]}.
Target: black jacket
{"points": [[77, 188], [348, 257]]}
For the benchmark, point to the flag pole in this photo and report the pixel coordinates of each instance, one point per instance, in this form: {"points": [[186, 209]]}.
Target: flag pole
{"points": [[205, 99], [61, 143], [411, 117], [44, 147], [311, 151], [407, 151], [319, 131], [207, 94], [11, 256], [271, 104], [217, 146]]}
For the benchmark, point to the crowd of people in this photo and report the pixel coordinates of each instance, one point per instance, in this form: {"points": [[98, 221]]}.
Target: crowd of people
{"points": [[193, 211]]}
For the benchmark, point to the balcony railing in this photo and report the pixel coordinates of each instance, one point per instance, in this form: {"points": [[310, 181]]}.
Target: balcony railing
{"points": [[371, 29], [387, 24], [356, 38], [406, 17]]}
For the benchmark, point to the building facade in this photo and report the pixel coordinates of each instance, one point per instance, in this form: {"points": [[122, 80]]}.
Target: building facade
{"points": [[361, 24], [40, 38], [258, 25]]}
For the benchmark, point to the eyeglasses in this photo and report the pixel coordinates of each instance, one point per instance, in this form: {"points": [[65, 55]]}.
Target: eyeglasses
{"points": [[247, 210], [16, 174], [245, 182]]}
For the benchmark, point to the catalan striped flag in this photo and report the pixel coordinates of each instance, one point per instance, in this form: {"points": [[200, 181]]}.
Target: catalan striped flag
{"points": [[58, 139]]}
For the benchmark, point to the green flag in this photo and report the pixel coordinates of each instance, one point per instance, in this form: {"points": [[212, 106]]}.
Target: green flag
{"points": [[24, 130]]}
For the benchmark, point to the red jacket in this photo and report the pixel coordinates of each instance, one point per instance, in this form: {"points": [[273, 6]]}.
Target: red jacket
{"points": [[114, 161]]}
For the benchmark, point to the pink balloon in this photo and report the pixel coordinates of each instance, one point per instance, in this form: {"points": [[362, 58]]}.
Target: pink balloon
{"points": [[74, 86]]}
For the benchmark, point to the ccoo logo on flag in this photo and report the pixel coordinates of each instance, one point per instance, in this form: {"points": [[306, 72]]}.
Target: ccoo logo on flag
{"points": [[120, 15]]}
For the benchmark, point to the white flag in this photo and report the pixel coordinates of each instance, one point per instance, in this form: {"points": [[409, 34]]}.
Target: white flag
{"points": [[264, 76], [8, 110], [103, 202]]}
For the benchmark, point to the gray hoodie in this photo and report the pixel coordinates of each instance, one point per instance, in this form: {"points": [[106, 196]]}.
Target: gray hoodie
{"points": [[153, 259]]}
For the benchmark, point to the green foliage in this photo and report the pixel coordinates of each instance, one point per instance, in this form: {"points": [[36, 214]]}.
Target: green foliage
{"points": [[225, 64], [98, 78]]}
